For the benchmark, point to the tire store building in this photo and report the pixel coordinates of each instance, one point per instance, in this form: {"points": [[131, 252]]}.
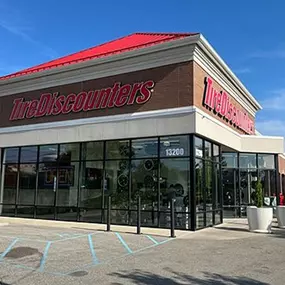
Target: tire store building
{"points": [[156, 115]]}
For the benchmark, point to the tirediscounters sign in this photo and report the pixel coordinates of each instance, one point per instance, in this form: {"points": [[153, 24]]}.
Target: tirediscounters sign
{"points": [[220, 103], [52, 104]]}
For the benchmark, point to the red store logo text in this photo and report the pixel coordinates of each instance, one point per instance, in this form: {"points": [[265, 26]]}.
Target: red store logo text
{"points": [[220, 103], [52, 104]]}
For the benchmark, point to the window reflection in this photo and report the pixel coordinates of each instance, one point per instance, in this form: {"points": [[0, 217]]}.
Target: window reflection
{"points": [[27, 184], [144, 148], [208, 150], [117, 185], [92, 150], [230, 160], [208, 185], [67, 184], [199, 184], [69, 152], [11, 155], [91, 184], [248, 181], [144, 182], [29, 154], [10, 183], [198, 147], [247, 160], [216, 153], [217, 191], [174, 183], [268, 181], [48, 153], [117, 149], [266, 161], [47, 183]]}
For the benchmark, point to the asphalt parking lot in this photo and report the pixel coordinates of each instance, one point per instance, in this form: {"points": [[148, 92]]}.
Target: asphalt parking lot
{"points": [[67, 251], [228, 254]]}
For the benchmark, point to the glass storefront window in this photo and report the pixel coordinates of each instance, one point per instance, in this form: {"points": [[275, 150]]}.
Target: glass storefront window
{"points": [[91, 184], [216, 186], [117, 182], [72, 181], [266, 161], [117, 149], [48, 153], [268, 181], [27, 184], [229, 160], [175, 183], [144, 148], [69, 152], [216, 153], [174, 146], [29, 154], [198, 147], [67, 184], [11, 155], [229, 187], [247, 160], [208, 150], [208, 185], [199, 165], [117, 185], [144, 182], [10, 183], [47, 183], [248, 181], [92, 151]]}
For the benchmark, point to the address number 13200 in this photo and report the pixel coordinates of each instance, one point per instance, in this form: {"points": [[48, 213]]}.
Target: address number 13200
{"points": [[174, 151]]}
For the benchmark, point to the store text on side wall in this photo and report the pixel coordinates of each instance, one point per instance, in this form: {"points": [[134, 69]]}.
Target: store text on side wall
{"points": [[52, 104], [220, 103]]}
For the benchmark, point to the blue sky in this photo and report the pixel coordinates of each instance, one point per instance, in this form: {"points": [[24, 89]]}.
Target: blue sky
{"points": [[249, 36]]}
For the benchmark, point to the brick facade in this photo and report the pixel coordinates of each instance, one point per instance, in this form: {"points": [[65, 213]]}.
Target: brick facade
{"points": [[199, 77], [173, 88]]}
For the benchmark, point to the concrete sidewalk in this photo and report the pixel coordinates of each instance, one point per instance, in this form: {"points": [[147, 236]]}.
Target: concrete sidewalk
{"points": [[89, 226]]}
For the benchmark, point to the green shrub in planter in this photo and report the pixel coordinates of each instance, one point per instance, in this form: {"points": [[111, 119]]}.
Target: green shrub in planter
{"points": [[259, 194]]}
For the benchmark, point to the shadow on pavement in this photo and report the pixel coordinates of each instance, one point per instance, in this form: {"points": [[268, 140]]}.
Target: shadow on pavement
{"points": [[278, 233], [143, 278], [232, 229]]}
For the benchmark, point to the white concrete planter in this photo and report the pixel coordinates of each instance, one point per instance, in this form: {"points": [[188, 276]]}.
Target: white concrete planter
{"points": [[280, 213], [259, 219]]}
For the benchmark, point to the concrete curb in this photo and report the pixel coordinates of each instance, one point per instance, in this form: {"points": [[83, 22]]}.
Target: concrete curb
{"points": [[90, 226]]}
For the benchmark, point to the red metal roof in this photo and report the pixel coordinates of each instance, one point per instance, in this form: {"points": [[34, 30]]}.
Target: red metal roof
{"points": [[124, 44]]}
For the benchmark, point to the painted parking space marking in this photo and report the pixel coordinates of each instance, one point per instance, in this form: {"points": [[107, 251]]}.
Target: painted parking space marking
{"points": [[44, 257], [8, 248], [69, 254], [152, 239], [94, 257], [74, 251], [123, 243]]}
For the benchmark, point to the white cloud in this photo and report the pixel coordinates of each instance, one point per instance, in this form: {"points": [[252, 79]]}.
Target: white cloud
{"points": [[276, 101], [19, 27], [278, 53], [271, 127], [242, 70]]}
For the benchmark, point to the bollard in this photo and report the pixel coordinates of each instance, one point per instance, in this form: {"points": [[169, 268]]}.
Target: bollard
{"points": [[109, 214], [172, 219], [139, 215]]}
